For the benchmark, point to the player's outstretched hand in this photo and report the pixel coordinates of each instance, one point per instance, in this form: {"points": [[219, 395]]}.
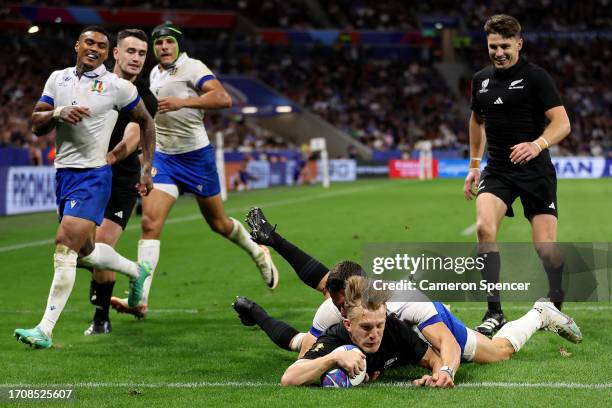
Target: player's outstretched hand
{"points": [[471, 180], [169, 104], [146, 184], [523, 152], [437, 380], [351, 361], [74, 114]]}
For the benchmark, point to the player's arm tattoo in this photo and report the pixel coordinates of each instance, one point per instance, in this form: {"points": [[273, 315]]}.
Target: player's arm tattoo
{"points": [[42, 119], [141, 116]]}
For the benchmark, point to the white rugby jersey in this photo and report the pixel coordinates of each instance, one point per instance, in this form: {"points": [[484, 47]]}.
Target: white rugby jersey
{"points": [[412, 312], [85, 145], [183, 130]]}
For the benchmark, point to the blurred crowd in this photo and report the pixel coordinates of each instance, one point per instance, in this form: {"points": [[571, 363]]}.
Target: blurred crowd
{"points": [[382, 15], [387, 104]]}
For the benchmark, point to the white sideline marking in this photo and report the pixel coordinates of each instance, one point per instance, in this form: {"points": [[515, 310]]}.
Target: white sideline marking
{"points": [[469, 230], [250, 384], [279, 203]]}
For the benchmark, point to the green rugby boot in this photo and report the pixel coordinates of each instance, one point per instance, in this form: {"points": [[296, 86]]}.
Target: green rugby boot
{"points": [[136, 285], [34, 337]]}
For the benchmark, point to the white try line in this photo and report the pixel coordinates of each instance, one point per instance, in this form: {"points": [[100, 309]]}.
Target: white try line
{"points": [[177, 220], [277, 310], [252, 384]]}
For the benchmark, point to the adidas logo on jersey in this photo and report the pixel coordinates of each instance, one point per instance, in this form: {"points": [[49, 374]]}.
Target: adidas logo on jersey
{"points": [[498, 101], [119, 214], [552, 206]]}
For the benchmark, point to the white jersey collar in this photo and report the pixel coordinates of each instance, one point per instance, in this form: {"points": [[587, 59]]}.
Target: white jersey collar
{"points": [[179, 61], [98, 72]]}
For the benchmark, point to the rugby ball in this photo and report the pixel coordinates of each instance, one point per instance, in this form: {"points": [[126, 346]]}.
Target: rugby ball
{"points": [[338, 378]]}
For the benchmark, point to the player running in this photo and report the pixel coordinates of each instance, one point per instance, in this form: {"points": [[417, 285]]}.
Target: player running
{"points": [[185, 159], [432, 319], [82, 104], [130, 54], [511, 101]]}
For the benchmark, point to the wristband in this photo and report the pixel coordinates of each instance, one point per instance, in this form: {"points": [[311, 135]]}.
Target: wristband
{"points": [[545, 141], [538, 146], [475, 163], [57, 112], [448, 371]]}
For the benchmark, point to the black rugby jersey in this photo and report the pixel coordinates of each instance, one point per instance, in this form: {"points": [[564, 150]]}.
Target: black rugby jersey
{"points": [[400, 345], [131, 165], [512, 103]]}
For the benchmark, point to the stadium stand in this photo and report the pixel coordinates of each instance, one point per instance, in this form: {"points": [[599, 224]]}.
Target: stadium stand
{"points": [[384, 101]]}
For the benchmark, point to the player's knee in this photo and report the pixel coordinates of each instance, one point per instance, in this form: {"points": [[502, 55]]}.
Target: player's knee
{"points": [[150, 227], [486, 231], [546, 251], [64, 239], [106, 237]]}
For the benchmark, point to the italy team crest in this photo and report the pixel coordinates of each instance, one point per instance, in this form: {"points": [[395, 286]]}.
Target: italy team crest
{"points": [[98, 86]]}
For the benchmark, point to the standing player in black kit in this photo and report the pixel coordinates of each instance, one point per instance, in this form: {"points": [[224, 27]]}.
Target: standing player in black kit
{"points": [[130, 54], [511, 101]]}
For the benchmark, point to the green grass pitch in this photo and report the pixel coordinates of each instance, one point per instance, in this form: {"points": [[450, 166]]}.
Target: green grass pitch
{"points": [[193, 351]]}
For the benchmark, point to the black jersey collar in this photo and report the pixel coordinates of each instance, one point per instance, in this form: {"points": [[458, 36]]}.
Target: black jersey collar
{"points": [[510, 72]]}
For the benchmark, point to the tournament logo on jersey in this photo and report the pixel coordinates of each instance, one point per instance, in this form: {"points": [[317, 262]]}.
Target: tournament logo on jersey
{"points": [[484, 85], [98, 86]]}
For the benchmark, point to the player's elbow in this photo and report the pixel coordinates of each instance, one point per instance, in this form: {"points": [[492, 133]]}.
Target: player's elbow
{"points": [[293, 377], [290, 380], [567, 128], [226, 100]]}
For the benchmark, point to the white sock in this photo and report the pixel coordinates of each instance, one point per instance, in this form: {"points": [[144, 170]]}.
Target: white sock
{"points": [[241, 237], [148, 250], [63, 280], [104, 256], [296, 342], [517, 332]]}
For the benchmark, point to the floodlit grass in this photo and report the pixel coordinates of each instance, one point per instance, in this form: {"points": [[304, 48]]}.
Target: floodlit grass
{"points": [[192, 350]]}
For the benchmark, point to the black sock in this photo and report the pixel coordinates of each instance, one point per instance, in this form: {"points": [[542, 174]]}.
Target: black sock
{"points": [[308, 269], [86, 267], [555, 279], [99, 296], [278, 331], [490, 273]]}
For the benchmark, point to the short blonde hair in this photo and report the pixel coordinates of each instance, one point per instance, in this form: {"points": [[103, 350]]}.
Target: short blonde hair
{"points": [[360, 293]]}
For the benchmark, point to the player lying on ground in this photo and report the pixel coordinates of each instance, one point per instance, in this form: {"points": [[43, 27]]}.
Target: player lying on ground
{"points": [[385, 341], [81, 104], [434, 321], [184, 160]]}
